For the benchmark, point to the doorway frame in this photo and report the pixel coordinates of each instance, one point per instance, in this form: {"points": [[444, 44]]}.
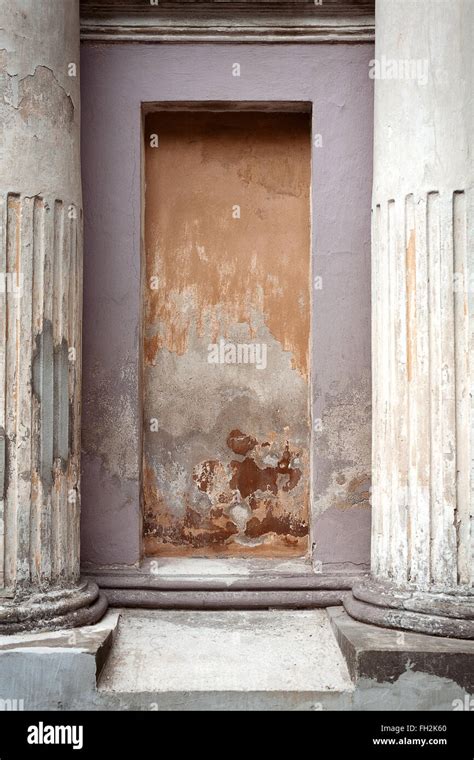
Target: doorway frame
{"points": [[226, 582], [304, 563], [139, 584]]}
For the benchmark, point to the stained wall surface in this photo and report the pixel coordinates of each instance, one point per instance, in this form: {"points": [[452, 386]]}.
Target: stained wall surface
{"points": [[226, 429], [116, 80]]}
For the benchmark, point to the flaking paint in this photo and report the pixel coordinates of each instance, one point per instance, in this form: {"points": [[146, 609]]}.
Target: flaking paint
{"points": [[211, 276]]}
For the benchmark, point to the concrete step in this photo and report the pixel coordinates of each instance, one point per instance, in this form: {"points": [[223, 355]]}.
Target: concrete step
{"points": [[233, 660], [275, 659]]}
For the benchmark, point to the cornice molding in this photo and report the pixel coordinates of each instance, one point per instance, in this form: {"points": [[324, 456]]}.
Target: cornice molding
{"points": [[267, 21]]}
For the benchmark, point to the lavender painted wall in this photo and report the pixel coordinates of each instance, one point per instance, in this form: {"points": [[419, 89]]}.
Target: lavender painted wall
{"points": [[116, 79]]}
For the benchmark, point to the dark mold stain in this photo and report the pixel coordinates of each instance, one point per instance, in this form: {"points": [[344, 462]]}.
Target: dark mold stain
{"points": [[240, 443], [249, 478], [195, 530], [227, 485], [285, 525]]}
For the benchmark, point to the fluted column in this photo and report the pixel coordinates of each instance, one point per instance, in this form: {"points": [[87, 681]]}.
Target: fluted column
{"points": [[422, 321], [40, 319]]}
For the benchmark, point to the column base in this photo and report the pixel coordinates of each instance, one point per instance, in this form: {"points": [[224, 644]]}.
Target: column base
{"points": [[67, 607], [442, 613]]}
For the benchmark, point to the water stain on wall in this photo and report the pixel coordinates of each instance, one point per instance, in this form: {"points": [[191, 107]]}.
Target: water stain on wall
{"points": [[226, 333]]}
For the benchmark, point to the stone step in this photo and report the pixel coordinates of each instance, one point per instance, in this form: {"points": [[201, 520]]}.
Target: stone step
{"points": [[233, 660], [273, 659]]}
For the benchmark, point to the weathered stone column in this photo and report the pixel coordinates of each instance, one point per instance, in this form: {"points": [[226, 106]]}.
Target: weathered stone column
{"points": [[40, 319], [422, 321]]}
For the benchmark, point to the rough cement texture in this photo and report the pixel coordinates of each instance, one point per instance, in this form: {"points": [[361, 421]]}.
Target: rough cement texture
{"points": [[225, 651], [235, 665], [116, 79], [58, 670], [384, 655], [412, 691]]}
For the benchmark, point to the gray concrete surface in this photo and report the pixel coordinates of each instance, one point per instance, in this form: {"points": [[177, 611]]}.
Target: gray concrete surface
{"points": [[54, 671], [274, 650], [236, 660], [383, 654]]}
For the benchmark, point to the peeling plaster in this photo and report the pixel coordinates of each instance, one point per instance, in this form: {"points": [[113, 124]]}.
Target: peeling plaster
{"points": [[345, 438]]}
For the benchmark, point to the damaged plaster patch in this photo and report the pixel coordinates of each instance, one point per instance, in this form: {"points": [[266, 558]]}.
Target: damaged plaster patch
{"points": [[208, 479], [40, 94], [37, 114], [242, 500], [343, 478], [35, 94], [349, 487]]}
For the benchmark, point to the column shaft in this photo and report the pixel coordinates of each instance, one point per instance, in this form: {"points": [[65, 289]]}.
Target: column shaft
{"points": [[422, 321], [40, 319]]}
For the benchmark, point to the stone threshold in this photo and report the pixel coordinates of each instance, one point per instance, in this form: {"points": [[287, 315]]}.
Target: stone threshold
{"points": [[189, 583]]}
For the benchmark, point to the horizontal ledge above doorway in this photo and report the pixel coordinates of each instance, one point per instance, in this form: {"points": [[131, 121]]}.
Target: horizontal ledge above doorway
{"points": [[299, 21]]}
